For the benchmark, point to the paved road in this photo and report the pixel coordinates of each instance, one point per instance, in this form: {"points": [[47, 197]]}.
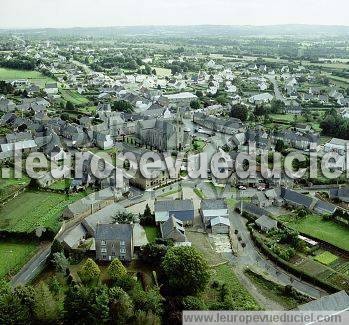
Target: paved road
{"points": [[251, 256], [278, 94], [32, 268]]}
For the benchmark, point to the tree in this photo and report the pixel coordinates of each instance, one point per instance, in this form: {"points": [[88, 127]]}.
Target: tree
{"points": [[148, 301], [193, 303], [144, 318], [69, 106], [46, 307], [60, 262], [89, 272], [15, 307], [195, 104], [200, 94], [122, 106], [120, 306], [279, 146], [116, 270], [153, 254], [87, 305], [147, 218], [260, 110], [124, 217], [239, 111], [184, 265], [277, 106]]}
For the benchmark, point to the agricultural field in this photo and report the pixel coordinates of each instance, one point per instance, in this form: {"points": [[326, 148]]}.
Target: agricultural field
{"points": [[73, 97], [34, 77], [313, 225], [14, 255], [326, 258], [42, 209]]}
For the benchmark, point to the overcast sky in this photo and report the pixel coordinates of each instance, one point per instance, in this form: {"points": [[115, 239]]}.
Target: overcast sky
{"points": [[91, 13]]}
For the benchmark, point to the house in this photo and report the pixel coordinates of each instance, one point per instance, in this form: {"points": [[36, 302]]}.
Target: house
{"points": [[341, 194], [251, 209], [324, 208], [337, 145], [298, 140], [211, 209], [182, 210], [228, 125], [261, 98], [220, 225], [173, 229], [266, 223], [114, 241], [7, 105], [183, 98], [297, 199], [335, 302], [103, 141], [51, 88], [91, 203]]}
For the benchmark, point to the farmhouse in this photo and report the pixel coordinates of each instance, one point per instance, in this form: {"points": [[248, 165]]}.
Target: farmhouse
{"points": [[114, 241]]}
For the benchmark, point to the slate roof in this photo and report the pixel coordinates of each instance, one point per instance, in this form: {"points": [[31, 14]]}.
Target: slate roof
{"points": [[266, 222], [340, 193], [324, 207], [174, 205], [296, 198], [213, 204], [168, 226], [254, 209], [114, 232], [338, 301], [219, 221]]}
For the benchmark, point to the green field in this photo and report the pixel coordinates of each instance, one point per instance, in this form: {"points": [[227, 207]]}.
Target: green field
{"points": [[35, 77], [315, 226], [152, 233], [31, 210], [73, 97], [9, 186], [241, 299], [163, 72], [14, 255], [326, 258]]}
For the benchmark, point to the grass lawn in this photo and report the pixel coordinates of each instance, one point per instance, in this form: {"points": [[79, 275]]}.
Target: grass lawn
{"points": [[283, 117], [35, 77], [163, 72], [74, 97], [199, 193], [152, 233], [274, 291], [62, 184], [326, 258], [315, 226], [9, 186], [31, 210], [14, 255], [241, 298]]}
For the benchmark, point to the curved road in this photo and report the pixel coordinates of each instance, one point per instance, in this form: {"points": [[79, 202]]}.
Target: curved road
{"points": [[251, 256]]}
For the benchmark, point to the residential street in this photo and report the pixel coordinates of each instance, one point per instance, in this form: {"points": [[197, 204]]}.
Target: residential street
{"points": [[250, 256]]}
